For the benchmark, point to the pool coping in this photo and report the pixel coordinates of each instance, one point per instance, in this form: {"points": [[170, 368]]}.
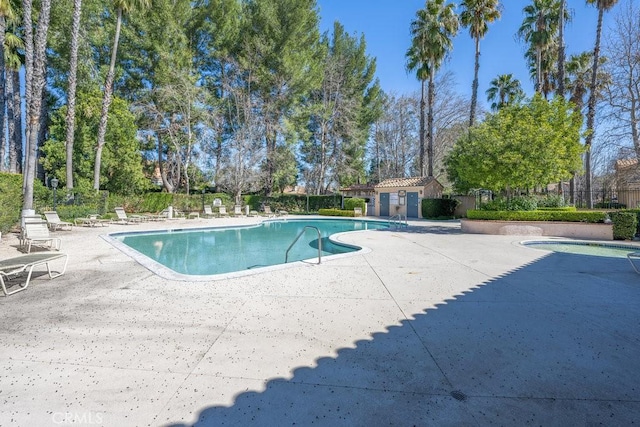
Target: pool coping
{"points": [[167, 273]]}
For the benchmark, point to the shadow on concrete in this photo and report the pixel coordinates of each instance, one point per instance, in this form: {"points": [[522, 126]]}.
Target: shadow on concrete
{"points": [[554, 342]]}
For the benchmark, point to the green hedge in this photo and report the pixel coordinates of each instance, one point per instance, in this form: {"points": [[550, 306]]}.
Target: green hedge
{"points": [[439, 208], [10, 200], [539, 215], [335, 212], [354, 202], [624, 225], [560, 209]]}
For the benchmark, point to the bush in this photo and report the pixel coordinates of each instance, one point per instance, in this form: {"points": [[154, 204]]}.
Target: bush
{"points": [[624, 225], [551, 201], [578, 216], [439, 208], [10, 200], [522, 203], [558, 209], [610, 205], [335, 212], [354, 202]]}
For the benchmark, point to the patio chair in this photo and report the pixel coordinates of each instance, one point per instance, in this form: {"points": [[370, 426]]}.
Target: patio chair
{"points": [[208, 213], [357, 211], [267, 212], [124, 219], [92, 220], [222, 211], [237, 210], [55, 223], [38, 233], [282, 213], [13, 266]]}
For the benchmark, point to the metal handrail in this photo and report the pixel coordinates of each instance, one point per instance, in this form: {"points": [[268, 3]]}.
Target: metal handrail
{"points": [[397, 223], [286, 255]]}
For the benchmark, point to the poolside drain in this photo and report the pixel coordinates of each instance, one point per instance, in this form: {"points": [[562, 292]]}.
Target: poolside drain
{"points": [[458, 395]]}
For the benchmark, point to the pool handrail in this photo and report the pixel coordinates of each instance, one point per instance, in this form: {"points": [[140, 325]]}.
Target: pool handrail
{"points": [[396, 221], [286, 255]]}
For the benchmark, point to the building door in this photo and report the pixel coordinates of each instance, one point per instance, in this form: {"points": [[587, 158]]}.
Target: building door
{"points": [[384, 204], [371, 206], [412, 205]]}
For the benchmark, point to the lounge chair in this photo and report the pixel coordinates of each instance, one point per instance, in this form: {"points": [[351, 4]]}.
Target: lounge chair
{"points": [[253, 213], [282, 213], [14, 266], [124, 219], [267, 212], [38, 233], [222, 211], [357, 211], [237, 210], [208, 212], [92, 221], [55, 223]]}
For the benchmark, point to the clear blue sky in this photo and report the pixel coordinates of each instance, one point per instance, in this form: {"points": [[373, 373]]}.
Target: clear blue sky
{"points": [[385, 24]]}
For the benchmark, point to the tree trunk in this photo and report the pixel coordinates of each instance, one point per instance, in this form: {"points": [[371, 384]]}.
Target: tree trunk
{"points": [[422, 128], [71, 95], [34, 109], [14, 119], [591, 111], [430, 126], [474, 86], [561, 56], [3, 98], [106, 103]]}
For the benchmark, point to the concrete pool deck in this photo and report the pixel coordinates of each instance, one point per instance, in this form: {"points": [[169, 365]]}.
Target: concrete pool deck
{"points": [[431, 327]]}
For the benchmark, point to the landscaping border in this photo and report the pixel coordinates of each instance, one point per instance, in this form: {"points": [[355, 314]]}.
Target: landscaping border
{"points": [[578, 230]]}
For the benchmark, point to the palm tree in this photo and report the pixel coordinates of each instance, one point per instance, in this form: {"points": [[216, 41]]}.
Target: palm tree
{"points": [[13, 62], [504, 90], [432, 31], [603, 6], [538, 28], [476, 15], [35, 79], [561, 54], [578, 76], [122, 6], [6, 13], [71, 95]]}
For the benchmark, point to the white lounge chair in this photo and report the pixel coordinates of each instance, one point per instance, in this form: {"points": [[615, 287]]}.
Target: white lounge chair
{"points": [[267, 212], [55, 223], [222, 211], [14, 266], [92, 220], [38, 233], [208, 212], [123, 218], [237, 210]]}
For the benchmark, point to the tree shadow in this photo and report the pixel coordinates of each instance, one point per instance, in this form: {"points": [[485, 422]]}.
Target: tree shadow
{"points": [[551, 342]]}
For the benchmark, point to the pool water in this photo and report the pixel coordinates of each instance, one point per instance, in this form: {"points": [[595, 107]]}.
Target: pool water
{"points": [[586, 248], [209, 251]]}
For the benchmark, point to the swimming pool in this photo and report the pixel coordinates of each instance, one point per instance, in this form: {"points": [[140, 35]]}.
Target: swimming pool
{"points": [[612, 250], [219, 250]]}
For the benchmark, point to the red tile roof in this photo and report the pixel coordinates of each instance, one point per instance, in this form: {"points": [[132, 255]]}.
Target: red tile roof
{"points": [[418, 181]]}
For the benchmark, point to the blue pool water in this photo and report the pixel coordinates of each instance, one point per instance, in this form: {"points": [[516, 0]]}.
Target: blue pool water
{"points": [[209, 251], [611, 250]]}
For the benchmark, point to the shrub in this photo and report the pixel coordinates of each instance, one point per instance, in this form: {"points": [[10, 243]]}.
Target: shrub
{"points": [[551, 201], [624, 225], [610, 205], [439, 208], [335, 212], [10, 200], [354, 202], [521, 203], [578, 216], [559, 209]]}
